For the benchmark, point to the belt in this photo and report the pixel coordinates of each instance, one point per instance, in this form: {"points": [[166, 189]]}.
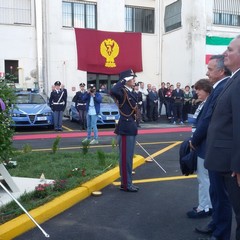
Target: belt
{"points": [[81, 104], [193, 129], [60, 103]]}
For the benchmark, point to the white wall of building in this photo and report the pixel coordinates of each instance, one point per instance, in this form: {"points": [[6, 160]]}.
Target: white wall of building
{"points": [[184, 49], [18, 43], [61, 46], [175, 56], [183, 54]]}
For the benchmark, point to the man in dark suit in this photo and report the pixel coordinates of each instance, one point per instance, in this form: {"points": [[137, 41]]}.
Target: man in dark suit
{"points": [[126, 128], [161, 94], [178, 97], [153, 104], [221, 218], [223, 136]]}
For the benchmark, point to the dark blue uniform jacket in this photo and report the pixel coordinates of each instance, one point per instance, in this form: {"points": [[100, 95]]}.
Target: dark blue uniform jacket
{"points": [[127, 103]]}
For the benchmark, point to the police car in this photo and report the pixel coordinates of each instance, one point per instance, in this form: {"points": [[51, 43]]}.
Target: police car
{"points": [[31, 109], [108, 115]]}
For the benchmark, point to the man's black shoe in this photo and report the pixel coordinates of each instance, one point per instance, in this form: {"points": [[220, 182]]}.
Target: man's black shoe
{"points": [[214, 238], [129, 189], [122, 187], [204, 230], [136, 187], [199, 214]]}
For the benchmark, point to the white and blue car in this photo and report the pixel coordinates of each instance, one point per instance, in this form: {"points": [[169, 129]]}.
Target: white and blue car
{"points": [[30, 110]]}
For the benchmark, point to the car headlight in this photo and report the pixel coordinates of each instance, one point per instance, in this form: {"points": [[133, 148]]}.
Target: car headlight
{"points": [[47, 114], [16, 114]]}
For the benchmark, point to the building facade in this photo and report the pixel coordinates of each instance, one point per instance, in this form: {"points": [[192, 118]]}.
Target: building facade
{"points": [[38, 42]]}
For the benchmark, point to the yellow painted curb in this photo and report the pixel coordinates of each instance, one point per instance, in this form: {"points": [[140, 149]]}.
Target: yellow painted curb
{"points": [[21, 224]]}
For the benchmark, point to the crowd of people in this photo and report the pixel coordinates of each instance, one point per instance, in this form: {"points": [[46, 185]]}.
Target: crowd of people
{"points": [[178, 102]]}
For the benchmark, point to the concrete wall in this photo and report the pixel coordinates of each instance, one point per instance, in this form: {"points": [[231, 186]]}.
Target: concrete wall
{"points": [[18, 43], [175, 56], [61, 47], [183, 52], [184, 49]]}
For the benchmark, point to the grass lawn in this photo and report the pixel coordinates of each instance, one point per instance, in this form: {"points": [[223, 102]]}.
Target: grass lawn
{"points": [[68, 169]]}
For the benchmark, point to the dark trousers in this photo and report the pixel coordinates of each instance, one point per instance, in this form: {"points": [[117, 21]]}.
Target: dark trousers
{"points": [[169, 109], [177, 111], [234, 196], [83, 118], [186, 110], [222, 208], [153, 111], [126, 150], [160, 107], [144, 110], [57, 117]]}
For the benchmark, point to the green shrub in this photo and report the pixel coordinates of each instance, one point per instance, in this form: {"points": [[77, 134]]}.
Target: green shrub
{"points": [[55, 145], [6, 132], [27, 148], [85, 147], [101, 158]]}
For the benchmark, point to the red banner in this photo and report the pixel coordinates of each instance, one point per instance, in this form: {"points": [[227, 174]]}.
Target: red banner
{"points": [[108, 52]]}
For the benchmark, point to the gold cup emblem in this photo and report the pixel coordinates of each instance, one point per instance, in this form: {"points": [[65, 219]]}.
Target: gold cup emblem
{"points": [[109, 49]]}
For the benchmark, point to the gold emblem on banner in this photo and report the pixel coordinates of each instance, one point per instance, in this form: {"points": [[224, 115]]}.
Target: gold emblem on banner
{"points": [[109, 49]]}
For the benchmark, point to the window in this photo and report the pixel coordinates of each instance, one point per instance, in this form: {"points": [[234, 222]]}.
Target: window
{"points": [[139, 19], [226, 12], [100, 79], [79, 14], [15, 12], [11, 70], [172, 18]]}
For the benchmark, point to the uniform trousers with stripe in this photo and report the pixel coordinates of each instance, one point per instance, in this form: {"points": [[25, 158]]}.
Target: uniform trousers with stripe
{"points": [[126, 149], [58, 116]]}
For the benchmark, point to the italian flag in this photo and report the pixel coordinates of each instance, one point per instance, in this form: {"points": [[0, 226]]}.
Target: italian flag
{"points": [[216, 45]]}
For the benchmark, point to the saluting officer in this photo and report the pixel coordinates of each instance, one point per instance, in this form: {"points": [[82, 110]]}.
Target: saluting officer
{"points": [[57, 102], [80, 105], [126, 129]]}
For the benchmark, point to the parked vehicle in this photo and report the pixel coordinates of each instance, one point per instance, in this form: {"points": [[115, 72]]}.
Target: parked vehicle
{"points": [[31, 109], [109, 113]]}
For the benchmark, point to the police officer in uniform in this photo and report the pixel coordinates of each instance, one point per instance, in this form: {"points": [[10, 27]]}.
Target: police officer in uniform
{"points": [[80, 105], [126, 129], [57, 102]]}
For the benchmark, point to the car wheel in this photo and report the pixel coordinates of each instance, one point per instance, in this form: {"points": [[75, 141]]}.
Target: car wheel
{"points": [[71, 116]]}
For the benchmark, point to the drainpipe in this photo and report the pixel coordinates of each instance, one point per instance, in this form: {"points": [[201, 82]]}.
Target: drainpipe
{"points": [[159, 44], [39, 42]]}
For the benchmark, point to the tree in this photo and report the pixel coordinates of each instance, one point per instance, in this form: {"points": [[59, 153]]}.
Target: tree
{"points": [[6, 132]]}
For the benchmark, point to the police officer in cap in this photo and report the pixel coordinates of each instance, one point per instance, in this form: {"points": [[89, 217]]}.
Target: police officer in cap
{"points": [[80, 105], [126, 129], [57, 102]]}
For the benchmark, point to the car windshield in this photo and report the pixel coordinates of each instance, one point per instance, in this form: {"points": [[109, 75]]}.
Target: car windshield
{"points": [[30, 99], [107, 99]]}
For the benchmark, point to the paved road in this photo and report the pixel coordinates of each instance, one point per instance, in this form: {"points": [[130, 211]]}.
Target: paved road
{"points": [[156, 212]]}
